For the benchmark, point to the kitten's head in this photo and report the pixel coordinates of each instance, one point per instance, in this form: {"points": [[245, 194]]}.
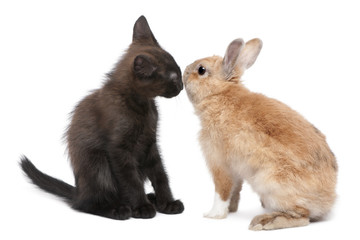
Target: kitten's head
{"points": [[155, 71]]}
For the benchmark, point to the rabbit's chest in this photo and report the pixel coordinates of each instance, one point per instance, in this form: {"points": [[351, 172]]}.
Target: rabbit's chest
{"points": [[231, 135]]}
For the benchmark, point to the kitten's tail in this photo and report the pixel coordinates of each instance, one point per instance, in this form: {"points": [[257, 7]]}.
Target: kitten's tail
{"points": [[46, 182]]}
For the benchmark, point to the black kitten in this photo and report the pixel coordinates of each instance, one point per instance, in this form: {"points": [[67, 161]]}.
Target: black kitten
{"points": [[112, 138]]}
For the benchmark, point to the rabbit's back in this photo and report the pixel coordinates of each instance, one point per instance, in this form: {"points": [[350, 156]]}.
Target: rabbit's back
{"points": [[238, 115]]}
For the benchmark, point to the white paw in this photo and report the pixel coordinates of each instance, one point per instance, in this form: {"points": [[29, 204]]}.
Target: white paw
{"points": [[220, 208], [215, 214]]}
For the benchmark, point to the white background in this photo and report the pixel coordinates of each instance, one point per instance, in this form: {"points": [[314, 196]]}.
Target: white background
{"points": [[52, 53]]}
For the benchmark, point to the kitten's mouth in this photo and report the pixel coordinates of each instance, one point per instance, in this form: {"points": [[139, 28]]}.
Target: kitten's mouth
{"points": [[174, 90]]}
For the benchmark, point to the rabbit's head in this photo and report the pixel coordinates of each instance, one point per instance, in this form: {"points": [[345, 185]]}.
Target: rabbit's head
{"points": [[211, 75]]}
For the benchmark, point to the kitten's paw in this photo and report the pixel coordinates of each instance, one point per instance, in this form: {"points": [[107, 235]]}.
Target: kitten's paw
{"points": [[174, 207], [144, 211], [171, 207], [123, 212], [118, 213]]}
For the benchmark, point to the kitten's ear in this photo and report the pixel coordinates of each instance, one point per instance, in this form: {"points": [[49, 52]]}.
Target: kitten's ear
{"points": [[142, 32], [143, 66]]}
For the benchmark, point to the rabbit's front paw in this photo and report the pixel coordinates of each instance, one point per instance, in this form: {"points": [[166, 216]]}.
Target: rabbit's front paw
{"points": [[216, 214], [220, 208]]}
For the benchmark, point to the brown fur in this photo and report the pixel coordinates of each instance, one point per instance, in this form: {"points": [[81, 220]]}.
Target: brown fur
{"points": [[248, 136], [223, 182], [235, 198]]}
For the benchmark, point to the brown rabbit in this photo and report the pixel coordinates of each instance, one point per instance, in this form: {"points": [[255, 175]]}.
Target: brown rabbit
{"points": [[248, 136]]}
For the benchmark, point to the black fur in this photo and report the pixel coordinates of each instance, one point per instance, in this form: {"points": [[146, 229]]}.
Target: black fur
{"points": [[112, 138]]}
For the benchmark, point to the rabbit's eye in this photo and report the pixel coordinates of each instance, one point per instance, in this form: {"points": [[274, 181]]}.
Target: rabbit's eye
{"points": [[201, 70]]}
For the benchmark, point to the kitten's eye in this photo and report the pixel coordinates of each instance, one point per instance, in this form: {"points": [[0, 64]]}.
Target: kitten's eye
{"points": [[201, 70]]}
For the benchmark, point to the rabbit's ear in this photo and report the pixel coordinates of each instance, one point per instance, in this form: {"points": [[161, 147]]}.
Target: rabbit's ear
{"points": [[231, 56], [249, 53], [142, 32]]}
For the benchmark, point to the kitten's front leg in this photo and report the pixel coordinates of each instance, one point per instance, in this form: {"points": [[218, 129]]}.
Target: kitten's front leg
{"points": [[131, 185], [163, 198]]}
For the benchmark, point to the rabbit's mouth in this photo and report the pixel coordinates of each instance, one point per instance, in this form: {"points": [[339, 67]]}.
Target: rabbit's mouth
{"points": [[185, 81], [189, 88], [186, 75]]}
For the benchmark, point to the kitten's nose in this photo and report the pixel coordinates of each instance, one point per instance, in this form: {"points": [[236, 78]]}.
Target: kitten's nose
{"points": [[175, 78]]}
